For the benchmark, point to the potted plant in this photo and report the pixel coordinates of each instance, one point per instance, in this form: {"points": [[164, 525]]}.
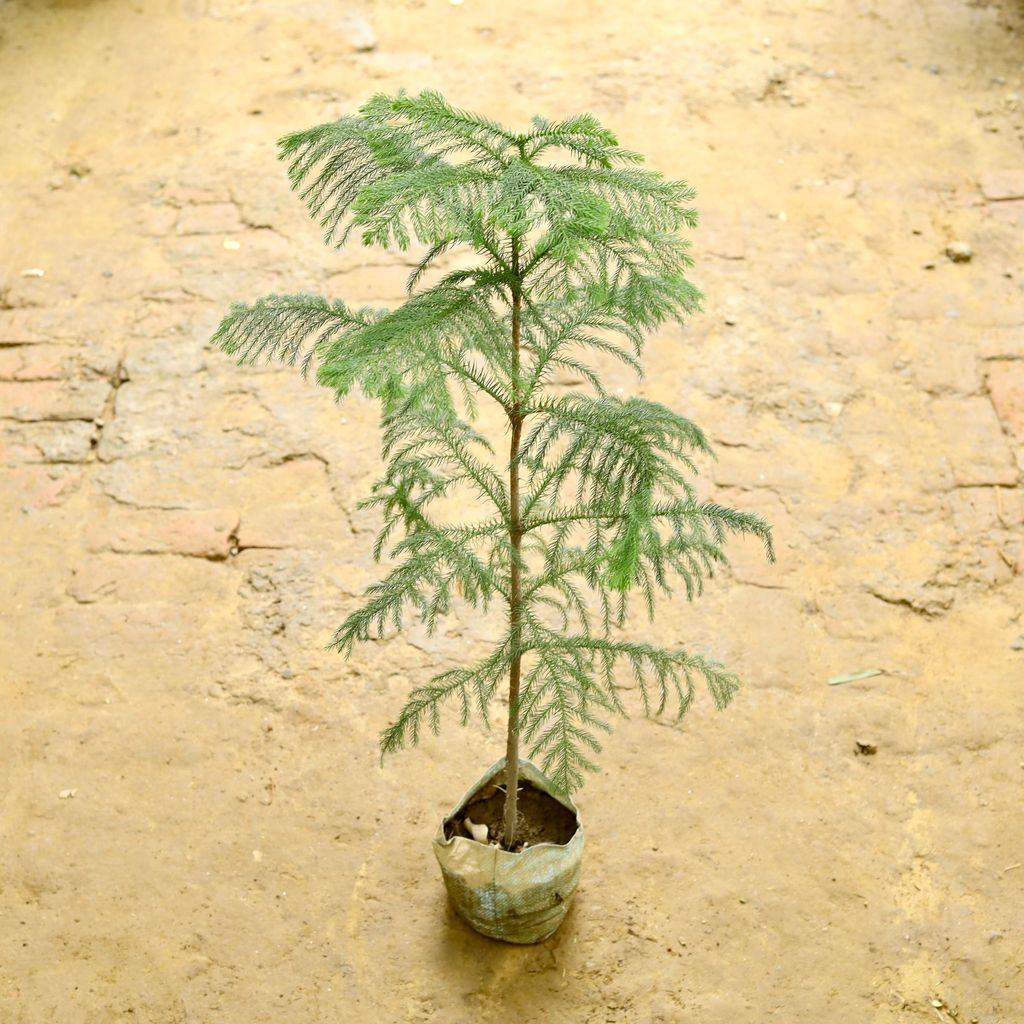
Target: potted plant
{"points": [[589, 500]]}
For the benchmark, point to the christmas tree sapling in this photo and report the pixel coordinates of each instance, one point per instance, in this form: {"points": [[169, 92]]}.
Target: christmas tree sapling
{"points": [[578, 254]]}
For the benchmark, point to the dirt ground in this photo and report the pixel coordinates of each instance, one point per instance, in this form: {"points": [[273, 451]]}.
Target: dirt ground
{"points": [[195, 828]]}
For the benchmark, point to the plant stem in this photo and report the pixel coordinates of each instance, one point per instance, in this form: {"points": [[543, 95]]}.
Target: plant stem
{"points": [[515, 532]]}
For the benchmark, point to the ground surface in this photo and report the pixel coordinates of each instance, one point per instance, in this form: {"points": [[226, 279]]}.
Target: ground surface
{"points": [[195, 827]]}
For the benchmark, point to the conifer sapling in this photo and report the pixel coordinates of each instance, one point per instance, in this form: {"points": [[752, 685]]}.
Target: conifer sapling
{"points": [[578, 255]]}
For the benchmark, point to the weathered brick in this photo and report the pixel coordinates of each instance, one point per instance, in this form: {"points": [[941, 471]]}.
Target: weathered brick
{"points": [[855, 615], [46, 362], [55, 362], [185, 195], [209, 219], [93, 580], [1010, 212], [1005, 184], [204, 533], [369, 284], [356, 31], [157, 220], [274, 526], [973, 443], [928, 598], [923, 304], [66, 441], [1001, 343], [723, 236], [974, 510], [979, 510], [1006, 386], [947, 367], [293, 506], [11, 360], [32, 487], [53, 400], [95, 323], [21, 327]]}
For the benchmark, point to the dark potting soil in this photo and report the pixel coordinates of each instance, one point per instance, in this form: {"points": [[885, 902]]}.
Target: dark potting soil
{"points": [[541, 818]]}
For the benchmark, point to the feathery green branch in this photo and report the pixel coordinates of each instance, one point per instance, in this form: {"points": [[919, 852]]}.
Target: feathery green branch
{"points": [[577, 257]]}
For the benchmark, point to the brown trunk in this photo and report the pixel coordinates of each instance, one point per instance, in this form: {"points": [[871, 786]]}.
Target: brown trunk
{"points": [[515, 533]]}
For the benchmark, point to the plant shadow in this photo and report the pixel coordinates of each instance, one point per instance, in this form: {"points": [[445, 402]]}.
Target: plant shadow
{"points": [[485, 972]]}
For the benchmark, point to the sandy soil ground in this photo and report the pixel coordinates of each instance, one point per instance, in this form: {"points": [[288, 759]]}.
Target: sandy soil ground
{"points": [[195, 826]]}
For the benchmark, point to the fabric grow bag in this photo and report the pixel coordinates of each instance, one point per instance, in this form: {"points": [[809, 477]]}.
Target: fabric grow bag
{"points": [[517, 897]]}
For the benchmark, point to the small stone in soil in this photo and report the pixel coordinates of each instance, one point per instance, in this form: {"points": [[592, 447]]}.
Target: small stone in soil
{"points": [[477, 832], [959, 252]]}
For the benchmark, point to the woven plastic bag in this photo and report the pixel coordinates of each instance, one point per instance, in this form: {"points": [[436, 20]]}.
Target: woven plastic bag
{"points": [[516, 897]]}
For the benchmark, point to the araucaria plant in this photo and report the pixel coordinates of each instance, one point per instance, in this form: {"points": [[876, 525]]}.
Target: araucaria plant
{"points": [[585, 499]]}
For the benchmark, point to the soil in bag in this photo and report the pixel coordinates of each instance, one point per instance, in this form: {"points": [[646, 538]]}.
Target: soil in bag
{"points": [[541, 818]]}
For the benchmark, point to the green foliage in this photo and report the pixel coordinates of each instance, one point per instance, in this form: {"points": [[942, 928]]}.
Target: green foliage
{"points": [[579, 256]]}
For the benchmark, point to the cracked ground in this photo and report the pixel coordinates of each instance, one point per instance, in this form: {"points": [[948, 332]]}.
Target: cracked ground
{"points": [[195, 828]]}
